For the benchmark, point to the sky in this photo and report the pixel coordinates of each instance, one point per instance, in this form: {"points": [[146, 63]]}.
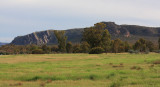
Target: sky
{"points": [[21, 17]]}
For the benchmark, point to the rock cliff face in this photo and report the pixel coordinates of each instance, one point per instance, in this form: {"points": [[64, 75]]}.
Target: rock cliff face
{"points": [[129, 33], [46, 37]]}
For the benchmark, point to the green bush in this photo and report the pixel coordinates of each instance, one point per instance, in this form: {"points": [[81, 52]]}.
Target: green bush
{"points": [[77, 48], [157, 51], [133, 51], [96, 50], [146, 52], [38, 51]]}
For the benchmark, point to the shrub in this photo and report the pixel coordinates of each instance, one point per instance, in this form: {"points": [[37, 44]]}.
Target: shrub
{"points": [[46, 49], [85, 47], [38, 51], [96, 50], [69, 47], [76, 48], [158, 51], [54, 48], [132, 51], [137, 52], [147, 52], [92, 77]]}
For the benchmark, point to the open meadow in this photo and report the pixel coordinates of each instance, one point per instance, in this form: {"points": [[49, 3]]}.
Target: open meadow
{"points": [[80, 70]]}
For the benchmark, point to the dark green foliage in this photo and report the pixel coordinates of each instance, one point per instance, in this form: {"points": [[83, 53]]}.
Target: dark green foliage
{"points": [[157, 51], [150, 46], [106, 41], [96, 50], [69, 47], [33, 47], [46, 49], [147, 52], [118, 46], [14, 49], [159, 42], [38, 51], [142, 45], [77, 48], [97, 36], [33, 78], [54, 48], [93, 77], [133, 51], [110, 75], [60, 35], [85, 47], [127, 46], [93, 35]]}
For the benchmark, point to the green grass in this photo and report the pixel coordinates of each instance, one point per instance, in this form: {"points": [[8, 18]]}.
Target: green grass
{"points": [[80, 70]]}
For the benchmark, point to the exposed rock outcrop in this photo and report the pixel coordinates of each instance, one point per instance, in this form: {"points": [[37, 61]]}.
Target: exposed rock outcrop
{"points": [[129, 33]]}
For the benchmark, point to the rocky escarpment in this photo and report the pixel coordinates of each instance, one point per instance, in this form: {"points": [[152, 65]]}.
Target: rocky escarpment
{"points": [[129, 33], [46, 37]]}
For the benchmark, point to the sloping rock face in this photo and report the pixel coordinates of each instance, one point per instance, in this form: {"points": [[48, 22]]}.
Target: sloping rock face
{"points": [[46, 37], [38, 38], [127, 30], [129, 33]]}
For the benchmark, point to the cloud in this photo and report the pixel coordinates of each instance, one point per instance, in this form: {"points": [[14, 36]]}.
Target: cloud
{"points": [[6, 39], [20, 17], [127, 8]]}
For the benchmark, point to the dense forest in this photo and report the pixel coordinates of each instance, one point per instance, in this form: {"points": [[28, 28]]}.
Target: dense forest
{"points": [[95, 40]]}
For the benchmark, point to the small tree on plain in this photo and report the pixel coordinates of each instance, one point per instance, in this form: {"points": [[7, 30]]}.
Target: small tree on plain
{"points": [[60, 35]]}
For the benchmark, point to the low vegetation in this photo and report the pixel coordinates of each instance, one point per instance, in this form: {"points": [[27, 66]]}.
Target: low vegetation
{"points": [[80, 70], [94, 39]]}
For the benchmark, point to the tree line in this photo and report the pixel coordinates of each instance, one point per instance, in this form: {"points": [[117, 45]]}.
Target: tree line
{"points": [[95, 40]]}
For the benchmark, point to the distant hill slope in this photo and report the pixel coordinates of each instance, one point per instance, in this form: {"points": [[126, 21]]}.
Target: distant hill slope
{"points": [[2, 43], [129, 33]]}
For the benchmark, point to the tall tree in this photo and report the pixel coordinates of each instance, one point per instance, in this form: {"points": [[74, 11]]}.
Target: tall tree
{"points": [[106, 40], [60, 35], [159, 42], [96, 36], [140, 45], [127, 46], [118, 46], [150, 45]]}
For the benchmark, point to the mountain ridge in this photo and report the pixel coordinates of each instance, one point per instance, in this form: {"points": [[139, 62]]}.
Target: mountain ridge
{"points": [[129, 33], [2, 43]]}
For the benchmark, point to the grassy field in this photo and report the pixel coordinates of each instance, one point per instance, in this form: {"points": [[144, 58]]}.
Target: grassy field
{"points": [[80, 70]]}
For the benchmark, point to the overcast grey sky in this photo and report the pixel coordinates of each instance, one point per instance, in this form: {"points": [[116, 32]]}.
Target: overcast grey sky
{"points": [[20, 17]]}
